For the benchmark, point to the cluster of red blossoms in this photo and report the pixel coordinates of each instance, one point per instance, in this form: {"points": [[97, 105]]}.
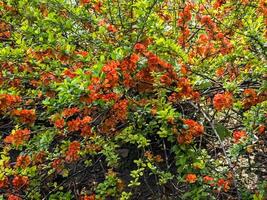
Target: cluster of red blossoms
{"points": [[8, 101], [13, 197], [238, 135], [100, 90], [118, 114], [263, 10], [231, 71], [69, 73], [19, 182], [88, 197], [18, 137], [4, 182], [112, 77], [226, 46], [80, 125], [72, 153], [206, 43], [205, 46], [251, 98], [127, 67], [145, 79], [23, 161], [84, 2], [68, 112], [58, 165], [223, 101], [25, 116], [219, 3], [115, 71], [209, 25], [193, 129], [221, 183], [97, 5], [185, 91], [59, 123], [224, 184], [81, 53], [261, 129], [77, 124], [191, 178], [184, 17]]}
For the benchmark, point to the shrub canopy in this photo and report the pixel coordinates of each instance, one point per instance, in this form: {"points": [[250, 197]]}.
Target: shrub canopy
{"points": [[159, 99]]}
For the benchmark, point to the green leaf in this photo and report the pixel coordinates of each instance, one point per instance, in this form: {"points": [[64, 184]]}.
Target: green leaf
{"points": [[222, 131]]}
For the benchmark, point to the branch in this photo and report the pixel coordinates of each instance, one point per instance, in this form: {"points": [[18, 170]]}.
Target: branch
{"points": [[211, 122]]}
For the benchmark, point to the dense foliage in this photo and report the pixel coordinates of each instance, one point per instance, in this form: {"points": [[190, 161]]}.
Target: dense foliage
{"points": [[136, 99]]}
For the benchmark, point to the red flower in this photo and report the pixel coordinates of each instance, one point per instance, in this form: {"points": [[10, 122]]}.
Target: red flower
{"points": [[250, 93], [80, 124], [120, 109], [185, 15], [207, 21], [119, 114], [74, 125], [203, 38], [8, 101], [224, 184], [69, 73], [13, 197], [220, 35], [165, 79], [239, 135], [109, 96], [184, 69], [134, 58], [220, 71], [261, 129], [139, 47], [219, 3], [97, 6], [223, 101], [25, 116], [4, 182], [59, 123], [68, 112], [86, 131], [39, 157], [194, 128], [226, 46], [191, 178], [112, 28], [20, 181], [57, 164], [82, 53], [72, 152], [85, 1], [18, 137], [208, 180], [23, 161], [112, 78], [251, 98], [88, 197]]}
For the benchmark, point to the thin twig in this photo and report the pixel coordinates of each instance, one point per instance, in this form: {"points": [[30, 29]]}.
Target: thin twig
{"points": [[211, 122]]}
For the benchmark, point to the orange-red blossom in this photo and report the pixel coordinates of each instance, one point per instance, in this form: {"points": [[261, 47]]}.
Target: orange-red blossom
{"points": [[223, 101], [191, 178]]}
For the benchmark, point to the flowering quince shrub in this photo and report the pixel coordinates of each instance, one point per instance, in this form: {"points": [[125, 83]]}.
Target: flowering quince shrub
{"points": [[157, 99]]}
